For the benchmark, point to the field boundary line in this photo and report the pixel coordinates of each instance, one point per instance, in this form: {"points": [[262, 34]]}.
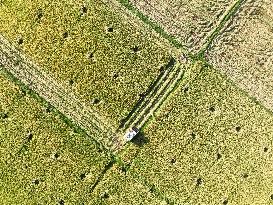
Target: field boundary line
{"points": [[127, 7], [64, 101]]}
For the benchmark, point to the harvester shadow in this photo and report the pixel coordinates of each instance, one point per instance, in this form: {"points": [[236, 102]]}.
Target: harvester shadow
{"points": [[140, 139]]}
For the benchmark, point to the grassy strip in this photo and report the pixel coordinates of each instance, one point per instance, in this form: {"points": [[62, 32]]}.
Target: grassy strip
{"points": [[152, 24], [221, 25]]}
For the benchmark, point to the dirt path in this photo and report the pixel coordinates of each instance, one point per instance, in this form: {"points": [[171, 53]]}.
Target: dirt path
{"points": [[63, 100]]}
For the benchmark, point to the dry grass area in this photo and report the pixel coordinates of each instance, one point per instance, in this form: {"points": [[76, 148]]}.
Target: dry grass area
{"points": [[243, 50], [209, 144], [100, 53], [42, 159], [189, 21]]}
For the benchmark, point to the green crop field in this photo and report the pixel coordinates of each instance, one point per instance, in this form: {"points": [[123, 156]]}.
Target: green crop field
{"points": [[121, 188], [42, 158], [209, 144], [100, 53], [120, 102]]}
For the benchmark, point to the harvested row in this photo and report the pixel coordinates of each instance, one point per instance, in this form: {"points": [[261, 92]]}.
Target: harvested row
{"points": [[65, 101], [103, 55], [42, 159], [191, 22], [208, 144], [151, 92], [243, 50], [152, 99], [182, 75]]}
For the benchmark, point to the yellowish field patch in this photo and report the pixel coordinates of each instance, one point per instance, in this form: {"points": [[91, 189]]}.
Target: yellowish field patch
{"points": [[42, 159], [207, 144], [105, 57], [243, 50], [117, 187]]}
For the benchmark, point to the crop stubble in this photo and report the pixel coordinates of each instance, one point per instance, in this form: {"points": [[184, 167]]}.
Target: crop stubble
{"points": [[191, 22], [243, 50]]}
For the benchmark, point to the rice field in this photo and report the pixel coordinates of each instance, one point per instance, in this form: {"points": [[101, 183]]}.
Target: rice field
{"points": [[193, 77], [209, 144], [98, 52], [43, 160], [118, 187]]}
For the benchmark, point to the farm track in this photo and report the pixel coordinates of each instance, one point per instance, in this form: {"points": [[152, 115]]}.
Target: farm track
{"points": [[220, 25], [159, 93], [148, 95], [155, 99], [64, 101]]}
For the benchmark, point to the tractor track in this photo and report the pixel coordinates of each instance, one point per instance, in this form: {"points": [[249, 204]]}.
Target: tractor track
{"points": [[155, 96], [176, 74], [148, 95], [64, 101]]}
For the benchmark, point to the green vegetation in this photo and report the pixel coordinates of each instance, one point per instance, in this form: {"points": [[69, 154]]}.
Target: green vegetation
{"points": [[105, 57], [207, 143], [42, 159], [118, 187], [202, 139]]}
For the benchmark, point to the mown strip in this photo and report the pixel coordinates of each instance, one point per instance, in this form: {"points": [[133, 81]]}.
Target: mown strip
{"points": [[56, 95], [220, 26], [146, 96]]}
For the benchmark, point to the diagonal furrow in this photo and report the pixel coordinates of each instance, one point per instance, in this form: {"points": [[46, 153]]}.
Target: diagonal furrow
{"points": [[149, 94], [157, 99], [222, 22], [65, 101], [184, 74]]}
